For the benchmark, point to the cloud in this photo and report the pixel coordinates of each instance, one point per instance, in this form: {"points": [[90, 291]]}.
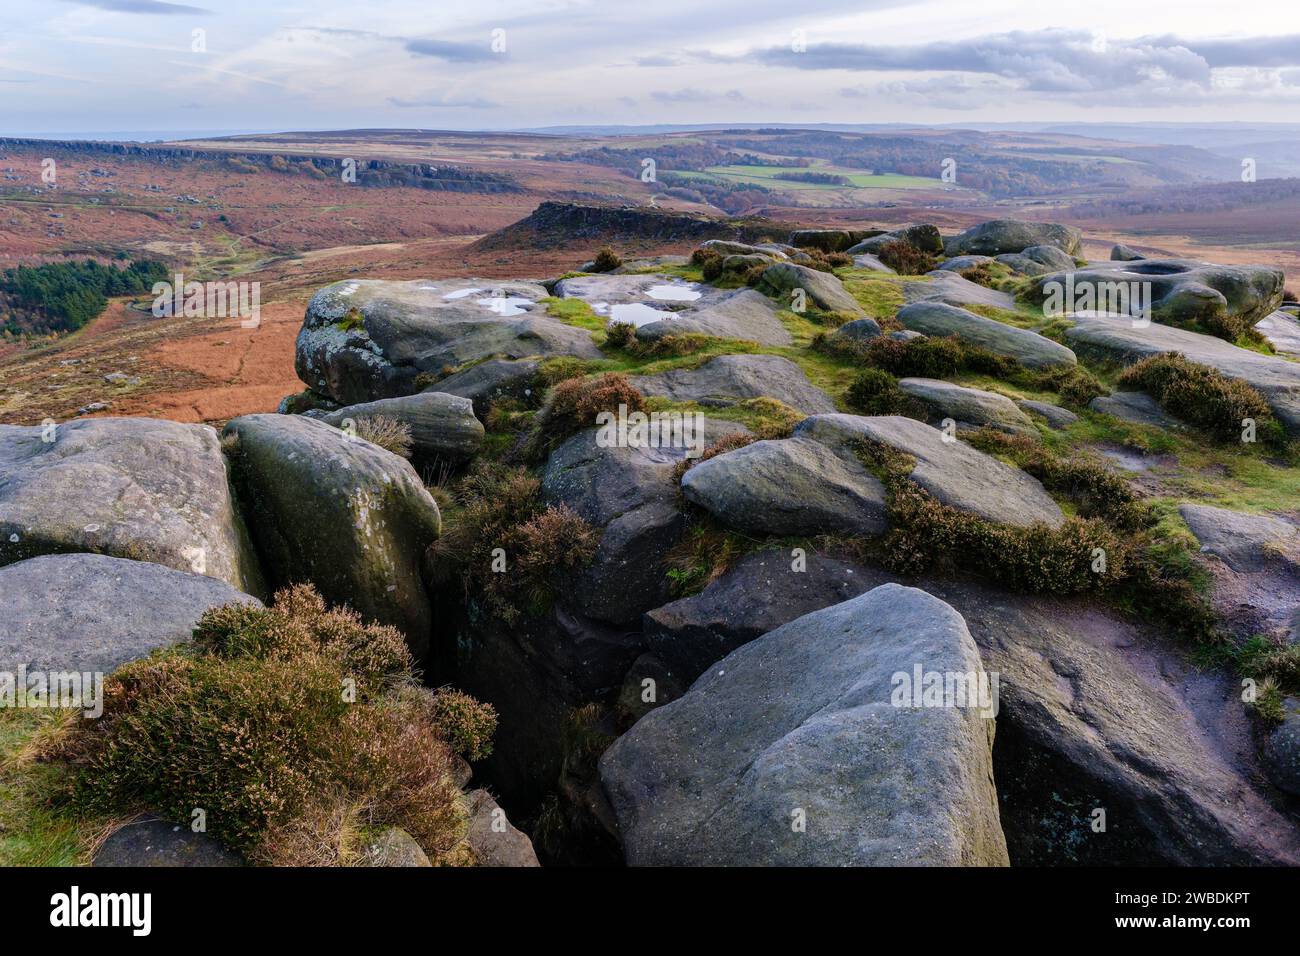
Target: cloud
{"points": [[444, 103], [139, 6], [693, 95], [451, 51]]}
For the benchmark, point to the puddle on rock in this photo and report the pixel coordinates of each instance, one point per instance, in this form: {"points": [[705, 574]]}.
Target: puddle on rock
{"points": [[637, 314]]}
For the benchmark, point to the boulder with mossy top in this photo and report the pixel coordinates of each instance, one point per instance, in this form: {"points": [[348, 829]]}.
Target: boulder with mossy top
{"points": [[794, 750], [1012, 235], [136, 488], [335, 510], [365, 339], [1025, 346], [820, 291]]}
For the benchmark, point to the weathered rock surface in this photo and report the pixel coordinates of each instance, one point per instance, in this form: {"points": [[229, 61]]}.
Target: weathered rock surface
{"points": [[364, 339], [1122, 253], [1093, 713], [954, 289], [1245, 542], [339, 512], [824, 292], [493, 838], [1116, 338], [1055, 415], [489, 381], [159, 843], [443, 426], [870, 262], [958, 263], [92, 612], [954, 473], [1281, 751], [1137, 407], [858, 332], [801, 720], [629, 493], [827, 240], [1182, 292], [1012, 235], [132, 487], [788, 486], [393, 847], [1282, 329], [764, 590], [725, 247], [730, 378], [972, 407], [1037, 260], [742, 314], [1029, 348]]}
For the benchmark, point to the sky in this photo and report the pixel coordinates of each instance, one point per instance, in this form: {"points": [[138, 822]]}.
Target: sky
{"points": [[254, 65]]}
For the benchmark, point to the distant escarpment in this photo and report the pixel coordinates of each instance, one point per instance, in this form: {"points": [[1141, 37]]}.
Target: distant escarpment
{"points": [[369, 172], [561, 224]]}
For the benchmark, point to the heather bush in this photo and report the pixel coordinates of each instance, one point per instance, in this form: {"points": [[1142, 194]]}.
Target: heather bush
{"points": [[905, 258], [1203, 396]]}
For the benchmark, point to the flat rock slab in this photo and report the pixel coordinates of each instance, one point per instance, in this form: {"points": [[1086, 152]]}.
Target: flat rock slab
{"points": [[344, 514], [799, 724], [954, 473], [1115, 337], [493, 838], [972, 407], [1012, 235], [159, 843], [788, 486], [660, 305], [1027, 347], [1136, 407], [132, 487], [1245, 542], [1282, 329], [92, 612], [364, 339], [954, 289], [443, 426], [728, 379]]}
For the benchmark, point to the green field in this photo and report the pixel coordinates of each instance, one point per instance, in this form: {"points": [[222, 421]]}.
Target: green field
{"points": [[766, 176]]}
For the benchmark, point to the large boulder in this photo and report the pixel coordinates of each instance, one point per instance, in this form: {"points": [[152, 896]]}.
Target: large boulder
{"points": [[827, 240], [823, 291], [728, 379], [1122, 253], [339, 512], [1028, 348], [1182, 292], [132, 487], [443, 427], [364, 339], [1136, 407], [1095, 713], [789, 486], [954, 473], [796, 750], [1012, 235], [725, 247], [1037, 260], [1117, 338], [92, 612], [924, 236], [969, 407]]}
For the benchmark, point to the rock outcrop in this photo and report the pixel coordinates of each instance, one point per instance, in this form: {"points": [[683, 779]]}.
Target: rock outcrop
{"points": [[728, 379], [337, 511], [1026, 347], [444, 430], [1012, 235], [793, 750], [131, 487]]}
